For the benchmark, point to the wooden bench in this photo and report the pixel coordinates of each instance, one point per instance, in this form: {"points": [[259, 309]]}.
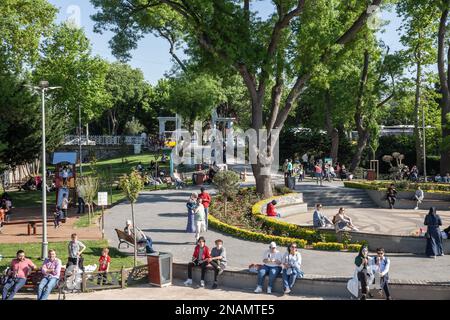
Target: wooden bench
{"points": [[35, 278], [124, 238], [31, 224]]}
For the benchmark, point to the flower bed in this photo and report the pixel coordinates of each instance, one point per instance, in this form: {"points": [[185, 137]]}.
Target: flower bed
{"points": [[244, 220]]}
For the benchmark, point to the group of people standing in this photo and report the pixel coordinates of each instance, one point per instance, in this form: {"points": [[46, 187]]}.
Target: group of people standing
{"points": [[198, 207]]}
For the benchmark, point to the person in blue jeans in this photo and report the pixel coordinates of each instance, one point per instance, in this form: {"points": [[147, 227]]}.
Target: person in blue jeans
{"points": [[272, 259], [51, 272], [292, 261], [20, 269]]}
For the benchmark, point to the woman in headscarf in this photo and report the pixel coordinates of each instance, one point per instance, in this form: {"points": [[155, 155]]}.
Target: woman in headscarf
{"points": [[434, 236], [363, 274], [191, 206]]}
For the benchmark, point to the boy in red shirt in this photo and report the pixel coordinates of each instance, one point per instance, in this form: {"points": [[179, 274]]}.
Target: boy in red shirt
{"points": [[206, 201], [104, 263], [271, 211], [201, 257]]}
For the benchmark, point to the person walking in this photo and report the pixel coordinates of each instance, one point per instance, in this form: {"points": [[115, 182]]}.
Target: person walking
{"points": [[433, 235], [292, 261], [418, 197], [290, 168], [81, 204], [318, 173], [191, 206], [51, 271], [272, 260], [391, 196], [20, 269], [65, 205], [199, 218], [206, 201], [363, 273]]}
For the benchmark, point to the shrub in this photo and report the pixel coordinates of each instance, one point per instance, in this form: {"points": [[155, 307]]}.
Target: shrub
{"points": [[328, 246], [354, 247], [400, 185], [282, 190]]}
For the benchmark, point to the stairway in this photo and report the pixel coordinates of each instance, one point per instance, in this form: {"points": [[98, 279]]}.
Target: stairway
{"points": [[336, 197]]}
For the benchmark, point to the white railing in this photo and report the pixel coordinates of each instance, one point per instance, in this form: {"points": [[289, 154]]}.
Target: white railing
{"points": [[104, 140]]}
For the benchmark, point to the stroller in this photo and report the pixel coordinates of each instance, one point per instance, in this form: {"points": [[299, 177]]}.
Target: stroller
{"points": [[73, 278]]}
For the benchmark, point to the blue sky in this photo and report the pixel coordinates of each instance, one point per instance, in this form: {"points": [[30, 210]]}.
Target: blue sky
{"points": [[152, 55]]}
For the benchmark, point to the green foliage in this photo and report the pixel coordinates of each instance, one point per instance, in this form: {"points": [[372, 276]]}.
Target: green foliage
{"points": [[281, 189], [132, 185], [227, 183], [133, 127], [67, 62], [399, 185], [328, 246], [87, 187]]}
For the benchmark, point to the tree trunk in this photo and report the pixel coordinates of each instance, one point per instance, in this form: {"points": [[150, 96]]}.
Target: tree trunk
{"points": [[263, 182], [134, 232], [362, 143], [443, 79], [417, 132], [332, 131]]}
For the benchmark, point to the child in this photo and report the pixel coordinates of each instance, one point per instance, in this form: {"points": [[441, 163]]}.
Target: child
{"points": [[58, 215], [103, 267]]}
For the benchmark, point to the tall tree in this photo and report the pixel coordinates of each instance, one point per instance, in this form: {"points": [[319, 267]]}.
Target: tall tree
{"points": [[419, 27], [277, 56]]}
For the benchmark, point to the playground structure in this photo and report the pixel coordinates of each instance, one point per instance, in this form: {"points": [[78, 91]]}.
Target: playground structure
{"points": [[65, 160]]}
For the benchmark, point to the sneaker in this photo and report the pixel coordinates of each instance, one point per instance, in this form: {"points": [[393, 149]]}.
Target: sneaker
{"points": [[188, 282], [269, 290], [416, 208], [214, 285], [202, 283], [258, 289], [220, 271], [287, 291]]}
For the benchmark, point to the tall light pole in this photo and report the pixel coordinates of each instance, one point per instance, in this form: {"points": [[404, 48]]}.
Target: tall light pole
{"points": [[79, 138], [44, 87]]}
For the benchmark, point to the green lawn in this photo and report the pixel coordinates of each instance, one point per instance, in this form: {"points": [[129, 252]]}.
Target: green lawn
{"points": [[91, 255]]}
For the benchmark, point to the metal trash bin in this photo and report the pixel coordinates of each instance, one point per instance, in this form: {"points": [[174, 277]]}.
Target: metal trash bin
{"points": [[160, 269]]}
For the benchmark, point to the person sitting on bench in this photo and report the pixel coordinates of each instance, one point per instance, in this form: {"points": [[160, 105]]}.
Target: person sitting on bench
{"points": [[51, 271], [141, 238], [199, 258], [271, 211], [20, 269], [218, 260]]}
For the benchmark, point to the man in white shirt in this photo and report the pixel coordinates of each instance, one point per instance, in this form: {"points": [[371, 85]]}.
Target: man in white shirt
{"points": [[272, 259], [382, 265], [418, 197]]}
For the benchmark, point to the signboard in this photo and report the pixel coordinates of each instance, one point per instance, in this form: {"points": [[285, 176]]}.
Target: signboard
{"points": [[102, 199]]}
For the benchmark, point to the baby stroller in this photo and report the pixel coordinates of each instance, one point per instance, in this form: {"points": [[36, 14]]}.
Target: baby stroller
{"points": [[73, 278]]}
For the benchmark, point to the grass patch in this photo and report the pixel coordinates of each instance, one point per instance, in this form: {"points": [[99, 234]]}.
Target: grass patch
{"points": [[91, 255]]}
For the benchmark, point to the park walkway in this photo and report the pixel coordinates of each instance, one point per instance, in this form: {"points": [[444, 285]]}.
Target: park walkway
{"points": [[163, 215]]}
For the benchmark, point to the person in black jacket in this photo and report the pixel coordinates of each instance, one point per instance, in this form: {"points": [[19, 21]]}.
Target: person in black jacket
{"points": [[391, 196]]}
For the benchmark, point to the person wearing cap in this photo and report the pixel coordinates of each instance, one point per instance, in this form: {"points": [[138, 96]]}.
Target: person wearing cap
{"points": [[271, 211], [272, 260]]}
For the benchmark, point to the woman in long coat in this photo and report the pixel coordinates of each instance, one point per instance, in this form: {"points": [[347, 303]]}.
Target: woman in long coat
{"points": [[434, 236], [191, 206]]}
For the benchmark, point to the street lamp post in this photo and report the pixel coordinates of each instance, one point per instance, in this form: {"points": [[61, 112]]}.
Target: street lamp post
{"points": [[43, 87]]}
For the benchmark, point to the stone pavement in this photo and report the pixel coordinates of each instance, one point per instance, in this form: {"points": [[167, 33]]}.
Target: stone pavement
{"points": [[175, 292], [163, 215], [383, 221]]}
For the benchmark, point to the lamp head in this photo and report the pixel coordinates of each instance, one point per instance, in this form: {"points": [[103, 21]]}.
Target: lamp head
{"points": [[43, 84]]}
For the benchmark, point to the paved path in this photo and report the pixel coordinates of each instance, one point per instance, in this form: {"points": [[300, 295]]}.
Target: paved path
{"points": [[175, 292], [163, 215]]}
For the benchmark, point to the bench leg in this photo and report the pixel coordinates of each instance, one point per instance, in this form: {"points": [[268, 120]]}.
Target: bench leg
{"points": [[34, 230], [29, 229]]}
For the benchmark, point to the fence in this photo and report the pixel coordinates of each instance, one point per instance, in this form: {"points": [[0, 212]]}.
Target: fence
{"points": [[102, 281], [105, 140]]}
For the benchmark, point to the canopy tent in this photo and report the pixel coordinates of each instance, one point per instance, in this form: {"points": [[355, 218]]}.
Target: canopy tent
{"points": [[62, 157]]}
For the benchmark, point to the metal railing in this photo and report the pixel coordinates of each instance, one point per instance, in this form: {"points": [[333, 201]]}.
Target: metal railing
{"points": [[105, 140], [101, 281]]}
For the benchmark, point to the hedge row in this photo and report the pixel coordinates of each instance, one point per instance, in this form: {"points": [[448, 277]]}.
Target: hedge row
{"points": [[285, 228], [334, 246], [399, 185], [253, 236]]}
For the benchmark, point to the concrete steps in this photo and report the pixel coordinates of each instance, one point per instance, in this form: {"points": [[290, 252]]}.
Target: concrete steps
{"points": [[338, 197]]}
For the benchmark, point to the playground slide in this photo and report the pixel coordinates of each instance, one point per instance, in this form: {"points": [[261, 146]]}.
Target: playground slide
{"points": [[62, 191]]}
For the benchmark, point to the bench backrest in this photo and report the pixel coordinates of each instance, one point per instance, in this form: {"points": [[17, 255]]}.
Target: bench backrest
{"points": [[123, 236]]}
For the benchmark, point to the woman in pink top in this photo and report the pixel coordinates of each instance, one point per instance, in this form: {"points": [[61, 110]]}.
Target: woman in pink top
{"points": [[51, 271], [20, 268]]}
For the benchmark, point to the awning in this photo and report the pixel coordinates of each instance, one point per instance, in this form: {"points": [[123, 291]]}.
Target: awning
{"points": [[60, 157]]}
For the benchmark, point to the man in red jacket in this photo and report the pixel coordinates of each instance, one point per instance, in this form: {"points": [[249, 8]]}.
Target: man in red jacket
{"points": [[271, 211], [206, 201], [201, 257]]}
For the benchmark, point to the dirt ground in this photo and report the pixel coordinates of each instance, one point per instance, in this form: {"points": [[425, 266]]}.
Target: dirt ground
{"points": [[18, 233]]}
